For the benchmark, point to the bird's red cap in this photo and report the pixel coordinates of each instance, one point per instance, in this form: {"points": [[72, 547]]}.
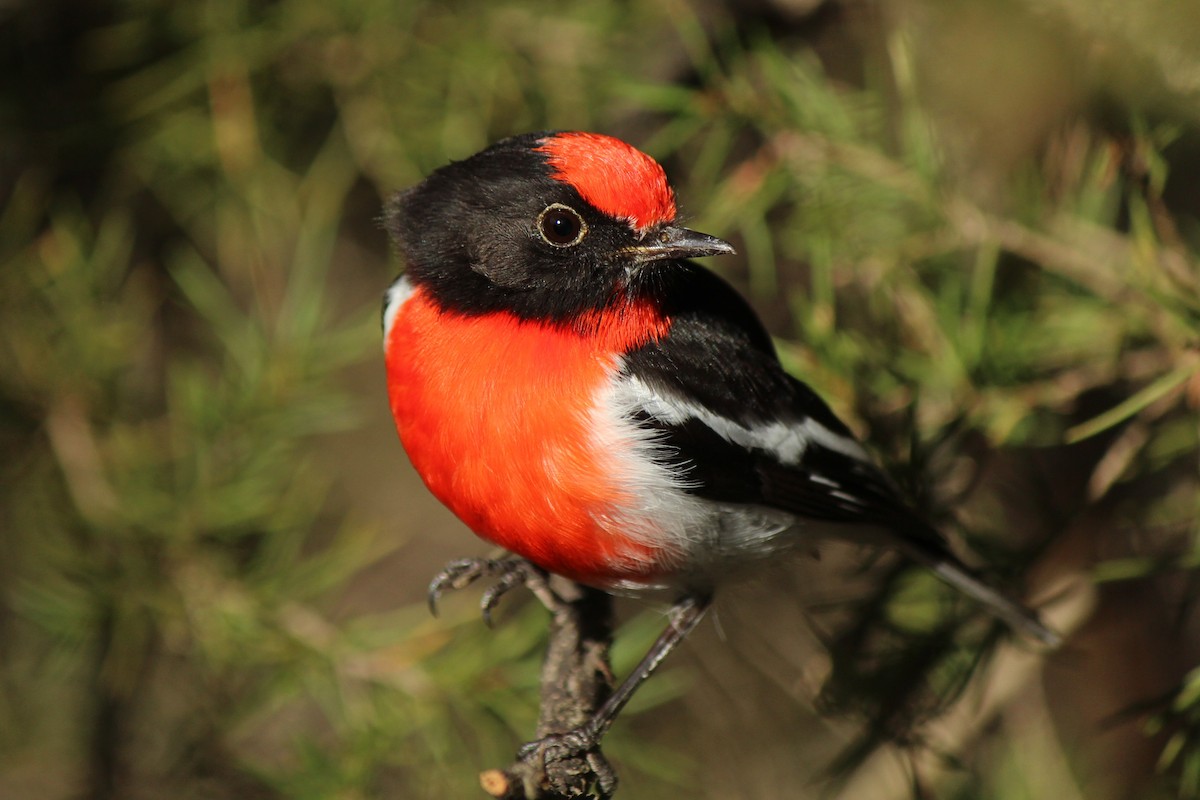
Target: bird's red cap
{"points": [[615, 177]]}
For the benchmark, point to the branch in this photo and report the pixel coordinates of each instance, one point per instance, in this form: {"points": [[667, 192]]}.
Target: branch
{"points": [[576, 679], [1014, 669]]}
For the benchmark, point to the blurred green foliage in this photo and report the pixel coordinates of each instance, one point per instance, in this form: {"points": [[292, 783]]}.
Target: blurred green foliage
{"points": [[184, 180], [973, 228]]}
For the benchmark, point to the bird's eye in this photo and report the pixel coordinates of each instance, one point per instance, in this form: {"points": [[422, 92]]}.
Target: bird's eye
{"points": [[561, 225]]}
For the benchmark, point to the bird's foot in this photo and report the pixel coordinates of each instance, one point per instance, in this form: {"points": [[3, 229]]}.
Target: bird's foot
{"points": [[571, 758], [508, 573]]}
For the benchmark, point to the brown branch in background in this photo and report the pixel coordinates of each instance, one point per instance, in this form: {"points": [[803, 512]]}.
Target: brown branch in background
{"points": [[576, 679], [1013, 670]]}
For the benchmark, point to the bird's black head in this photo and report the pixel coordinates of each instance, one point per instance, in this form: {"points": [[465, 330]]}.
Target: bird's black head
{"points": [[545, 225]]}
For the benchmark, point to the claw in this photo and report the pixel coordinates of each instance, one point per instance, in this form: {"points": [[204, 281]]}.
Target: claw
{"points": [[580, 743], [509, 580], [456, 575], [509, 572], [606, 776]]}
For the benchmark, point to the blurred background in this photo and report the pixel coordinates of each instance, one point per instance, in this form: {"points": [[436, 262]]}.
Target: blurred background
{"points": [[973, 227]]}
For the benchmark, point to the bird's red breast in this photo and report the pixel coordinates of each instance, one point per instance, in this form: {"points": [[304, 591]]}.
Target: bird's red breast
{"points": [[496, 414]]}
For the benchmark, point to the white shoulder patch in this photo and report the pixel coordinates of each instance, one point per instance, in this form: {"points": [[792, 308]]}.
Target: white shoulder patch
{"points": [[395, 297], [696, 539], [834, 441], [787, 440], [692, 536]]}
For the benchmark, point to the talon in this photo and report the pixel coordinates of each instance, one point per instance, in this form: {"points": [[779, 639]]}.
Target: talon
{"points": [[560, 746], [580, 743], [491, 596], [435, 593], [454, 572], [606, 776], [509, 572], [509, 580]]}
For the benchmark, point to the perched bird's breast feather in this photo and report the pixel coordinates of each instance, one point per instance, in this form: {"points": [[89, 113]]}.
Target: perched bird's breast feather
{"points": [[516, 427]]}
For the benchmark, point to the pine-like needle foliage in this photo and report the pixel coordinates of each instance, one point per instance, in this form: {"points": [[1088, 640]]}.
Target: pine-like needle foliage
{"points": [[973, 228]]}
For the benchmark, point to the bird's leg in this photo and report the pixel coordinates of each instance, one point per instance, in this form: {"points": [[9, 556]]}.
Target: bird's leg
{"points": [[685, 615], [585, 740], [509, 572]]}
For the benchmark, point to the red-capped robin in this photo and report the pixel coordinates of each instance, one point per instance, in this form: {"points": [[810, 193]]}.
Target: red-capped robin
{"points": [[581, 394]]}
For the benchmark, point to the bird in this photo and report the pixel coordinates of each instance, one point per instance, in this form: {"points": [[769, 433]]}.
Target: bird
{"points": [[581, 393]]}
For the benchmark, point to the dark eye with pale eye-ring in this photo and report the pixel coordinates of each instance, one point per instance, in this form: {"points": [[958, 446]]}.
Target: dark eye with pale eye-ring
{"points": [[561, 225]]}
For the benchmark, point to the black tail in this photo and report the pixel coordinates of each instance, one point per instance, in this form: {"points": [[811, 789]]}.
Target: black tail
{"points": [[954, 572]]}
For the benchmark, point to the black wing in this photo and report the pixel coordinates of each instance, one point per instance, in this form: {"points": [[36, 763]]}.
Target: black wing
{"points": [[740, 428]]}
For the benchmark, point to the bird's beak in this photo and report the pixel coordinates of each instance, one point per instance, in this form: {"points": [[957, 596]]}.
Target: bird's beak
{"points": [[673, 242]]}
